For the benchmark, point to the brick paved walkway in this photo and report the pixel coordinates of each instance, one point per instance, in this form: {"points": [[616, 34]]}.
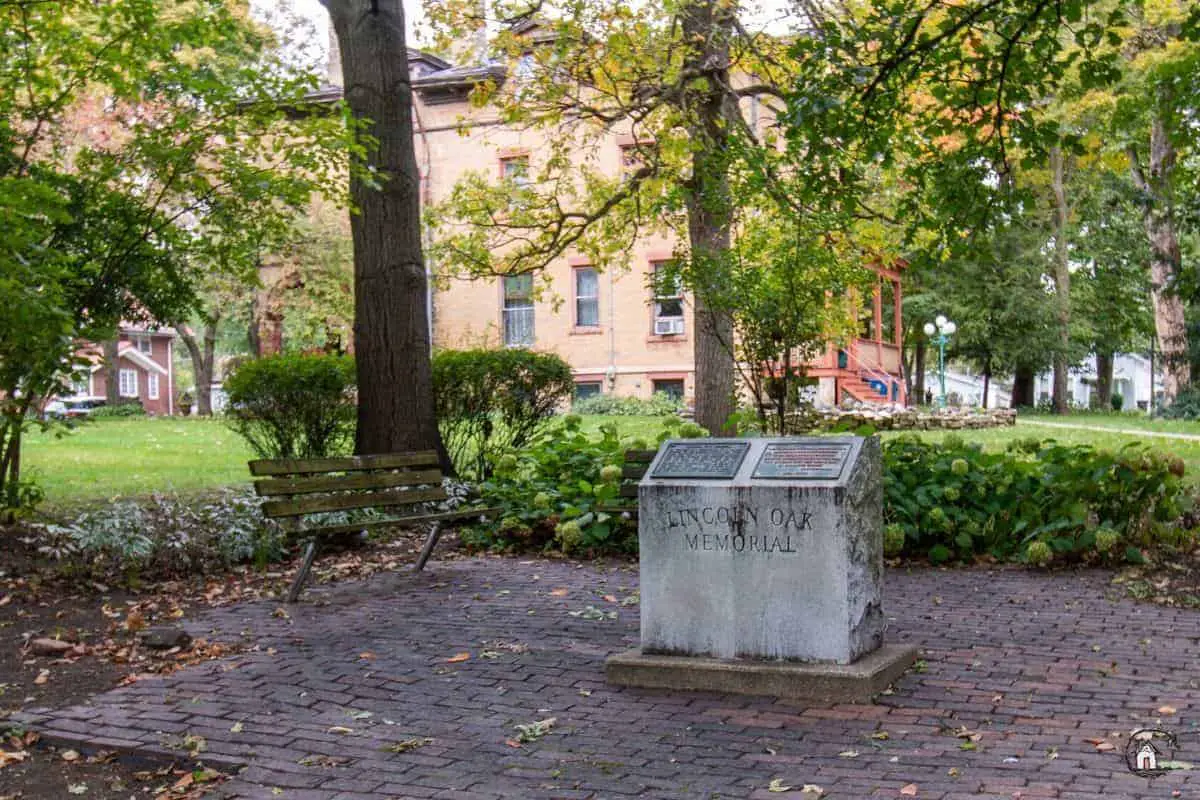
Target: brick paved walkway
{"points": [[1036, 664]]}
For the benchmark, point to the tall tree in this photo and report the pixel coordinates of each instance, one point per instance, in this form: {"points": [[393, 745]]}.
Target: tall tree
{"points": [[955, 97], [673, 78], [1062, 277], [141, 143], [391, 319]]}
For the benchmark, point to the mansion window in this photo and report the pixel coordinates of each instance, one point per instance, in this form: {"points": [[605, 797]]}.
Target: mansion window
{"points": [[672, 388], [144, 344], [516, 170], [587, 298], [127, 383], [586, 389], [668, 301], [152, 386], [518, 311]]}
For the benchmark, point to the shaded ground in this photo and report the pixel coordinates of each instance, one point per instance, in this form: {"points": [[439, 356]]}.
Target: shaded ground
{"points": [[483, 678], [102, 624]]}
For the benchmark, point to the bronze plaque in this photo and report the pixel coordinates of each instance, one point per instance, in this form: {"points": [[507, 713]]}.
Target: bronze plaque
{"points": [[702, 460], [803, 460]]}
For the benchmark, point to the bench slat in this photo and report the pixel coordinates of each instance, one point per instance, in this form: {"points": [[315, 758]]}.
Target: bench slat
{"points": [[309, 466], [640, 456], [271, 487], [633, 471], [440, 516], [629, 490], [345, 502]]}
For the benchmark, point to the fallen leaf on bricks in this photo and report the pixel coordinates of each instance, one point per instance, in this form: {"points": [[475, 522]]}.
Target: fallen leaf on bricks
{"points": [[458, 657], [777, 785], [910, 790]]}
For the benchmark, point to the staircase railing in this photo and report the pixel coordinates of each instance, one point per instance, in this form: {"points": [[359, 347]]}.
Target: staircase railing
{"points": [[872, 373]]}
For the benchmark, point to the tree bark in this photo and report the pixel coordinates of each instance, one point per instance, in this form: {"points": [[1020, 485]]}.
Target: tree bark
{"points": [[987, 381], [203, 357], [1104, 378], [112, 372], [1062, 280], [1022, 393], [918, 379], [252, 332], [391, 317], [707, 27], [1158, 217]]}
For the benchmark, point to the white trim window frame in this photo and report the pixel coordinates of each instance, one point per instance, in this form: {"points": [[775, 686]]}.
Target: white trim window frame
{"points": [[668, 304], [127, 383], [151, 386], [144, 344], [587, 297]]}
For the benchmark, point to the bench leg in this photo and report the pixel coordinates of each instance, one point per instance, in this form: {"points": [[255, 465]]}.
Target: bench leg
{"points": [[427, 550], [298, 583]]}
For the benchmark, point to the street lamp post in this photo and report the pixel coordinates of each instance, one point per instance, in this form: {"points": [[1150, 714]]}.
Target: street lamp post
{"points": [[940, 331]]}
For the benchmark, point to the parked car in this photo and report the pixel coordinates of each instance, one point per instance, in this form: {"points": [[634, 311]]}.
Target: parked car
{"points": [[72, 407]]}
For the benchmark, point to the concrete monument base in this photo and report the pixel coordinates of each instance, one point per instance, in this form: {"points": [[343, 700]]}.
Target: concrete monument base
{"points": [[822, 683]]}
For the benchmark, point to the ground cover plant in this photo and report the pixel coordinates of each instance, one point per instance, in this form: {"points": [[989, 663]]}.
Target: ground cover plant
{"points": [[561, 491], [1040, 500]]}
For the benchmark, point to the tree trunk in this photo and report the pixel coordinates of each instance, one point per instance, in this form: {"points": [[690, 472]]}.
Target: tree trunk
{"points": [[1062, 280], [707, 26], [1022, 392], [391, 317], [1104, 378], [252, 332], [987, 380], [1158, 216], [203, 356], [918, 378], [112, 372]]}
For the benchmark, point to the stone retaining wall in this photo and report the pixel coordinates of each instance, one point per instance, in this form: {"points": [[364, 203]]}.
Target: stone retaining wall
{"points": [[885, 418]]}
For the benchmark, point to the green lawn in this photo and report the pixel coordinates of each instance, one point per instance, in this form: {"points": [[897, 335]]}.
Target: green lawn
{"points": [[1138, 422], [118, 457], [127, 457]]}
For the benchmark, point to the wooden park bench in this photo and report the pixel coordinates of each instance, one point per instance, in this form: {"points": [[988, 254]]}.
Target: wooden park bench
{"points": [[636, 464], [401, 482]]}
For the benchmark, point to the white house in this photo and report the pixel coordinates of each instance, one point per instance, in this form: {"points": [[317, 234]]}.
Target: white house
{"points": [[1131, 380], [965, 389]]}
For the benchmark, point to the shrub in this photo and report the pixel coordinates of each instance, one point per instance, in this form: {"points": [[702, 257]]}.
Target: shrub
{"points": [[953, 498], [555, 492], [491, 402], [133, 409], [165, 537], [294, 406], [1186, 405], [1117, 400], [660, 404]]}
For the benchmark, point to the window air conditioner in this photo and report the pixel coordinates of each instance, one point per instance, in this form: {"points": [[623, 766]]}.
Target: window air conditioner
{"points": [[668, 327]]}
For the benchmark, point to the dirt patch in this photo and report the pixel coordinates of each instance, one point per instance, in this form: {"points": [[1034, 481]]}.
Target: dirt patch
{"points": [[1167, 581]]}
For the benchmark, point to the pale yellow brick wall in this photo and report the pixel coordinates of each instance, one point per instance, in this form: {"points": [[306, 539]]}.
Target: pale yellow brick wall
{"points": [[622, 352]]}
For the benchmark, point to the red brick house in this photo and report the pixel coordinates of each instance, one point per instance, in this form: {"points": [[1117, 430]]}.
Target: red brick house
{"points": [[146, 372]]}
